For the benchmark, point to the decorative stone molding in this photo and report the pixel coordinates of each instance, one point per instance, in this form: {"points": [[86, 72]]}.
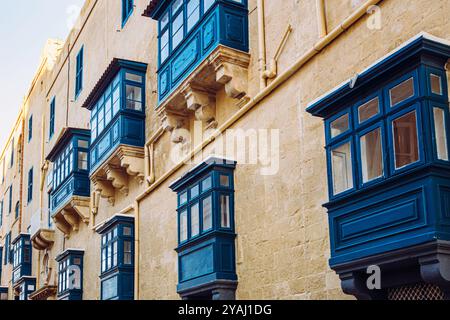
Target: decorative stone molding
{"points": [[45, 293], [115, 173], [195, 96], [75, 211]]}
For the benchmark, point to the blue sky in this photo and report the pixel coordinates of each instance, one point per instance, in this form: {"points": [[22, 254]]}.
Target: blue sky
{"points": [[25, 25]]}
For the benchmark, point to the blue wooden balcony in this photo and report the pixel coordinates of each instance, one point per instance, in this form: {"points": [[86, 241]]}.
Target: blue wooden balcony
{"points": [[117, 105], [190, 31], [21, 257], [388, 158], [206, 250], [70, 192]]}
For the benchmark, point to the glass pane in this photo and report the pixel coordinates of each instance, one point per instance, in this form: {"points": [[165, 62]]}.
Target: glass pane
{"points": [[341, 158], [82, 160], [195, 191], [183, 198], [195, 220], [440, 133], [224, 181], [340, 126], [368, 110], [164, 20], [134, 97], [206, 184], [126, 231], [225, 211], [436, 84], [371, 156], [133, 77], [177, 38], [177, 5], [208, 4], [207, 213], [405, 140], [183, 226], [193, 13], [83, 144], [402, 92]]}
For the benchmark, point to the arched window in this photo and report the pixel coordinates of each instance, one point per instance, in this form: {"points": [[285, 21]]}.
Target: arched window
{"points": [[17, 209]]}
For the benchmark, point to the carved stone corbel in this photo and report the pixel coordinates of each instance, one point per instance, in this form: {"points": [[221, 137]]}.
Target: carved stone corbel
{"points": [[72, 219], [203, 104], [104, 188], [175, 125], [234, 78], [118, 178]]}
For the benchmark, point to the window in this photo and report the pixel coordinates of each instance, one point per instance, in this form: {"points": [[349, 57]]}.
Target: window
{"points": [[436, 84], [17, 210], [63, 166], [117, 259], [30, 128], [372, 155], [70, 275], [402, 92], [440, 133], [7, 255], [52, 118], [11, 159], [10, 199], [195, 206], [406, 145], [79, 72], [127, 10], [30, 186], [340, 126], [342, 168]]}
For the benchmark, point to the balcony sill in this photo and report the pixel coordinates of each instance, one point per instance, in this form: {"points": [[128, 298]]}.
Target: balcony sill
{"points": [[44, 293], [114, 174], [67, 219], [196, 95]]}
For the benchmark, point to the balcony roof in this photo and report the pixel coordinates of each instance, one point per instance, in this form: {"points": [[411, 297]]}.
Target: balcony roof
{"points": [[66, 134], [410, 50], [110, 72], [149, 11]]}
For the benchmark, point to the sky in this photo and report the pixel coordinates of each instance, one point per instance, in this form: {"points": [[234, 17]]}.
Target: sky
{"points": [[25, 26]]}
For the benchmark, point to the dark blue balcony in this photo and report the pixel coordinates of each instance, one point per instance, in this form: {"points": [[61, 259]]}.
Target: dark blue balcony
{"points": [[206, 232], [24, 288], [117, 258], [70, 275], [388, 169], [70, 158], [117, 105], [21, 257], [190, 30]]}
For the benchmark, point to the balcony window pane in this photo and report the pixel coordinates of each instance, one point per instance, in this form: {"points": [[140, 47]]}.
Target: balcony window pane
{"points": [[134, 98], [183, 198], [402, 92], [183, 226], [225, 211], [108, 111], [406, 147], [82, 160], [208, 4], [207, 213], [440, 134], [369, 110], [127, 252], [206, 184], [133, 77], [177, 31], [176, 6], [164, 20], [193, 13], [371, 156], [195, 191], [101, 118], [195, 220], [341, 158], [436, 84], [339, 126], [224, 181], [83, 144]]}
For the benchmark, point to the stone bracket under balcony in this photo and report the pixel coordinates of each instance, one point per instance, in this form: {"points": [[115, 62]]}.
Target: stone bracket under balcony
{"points": [[114, 175], [225, 68], [43, 239], [76, 211]]}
